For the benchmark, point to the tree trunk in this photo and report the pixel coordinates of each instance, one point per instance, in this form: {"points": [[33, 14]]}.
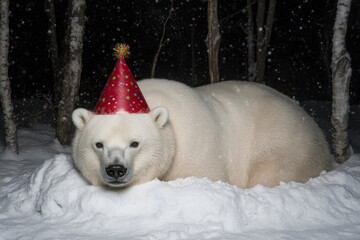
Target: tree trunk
{"points": [[72, 69], [263, 36], [5, 89], [341, 74], [213, 41], [162, 41], [250, 40]]}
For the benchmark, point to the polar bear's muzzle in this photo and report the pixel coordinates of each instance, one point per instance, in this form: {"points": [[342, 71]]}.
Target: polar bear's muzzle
{"points": [[116, 175], [116, 171]]}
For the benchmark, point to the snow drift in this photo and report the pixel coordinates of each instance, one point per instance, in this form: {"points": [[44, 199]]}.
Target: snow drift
{"points": [[54, 202]]}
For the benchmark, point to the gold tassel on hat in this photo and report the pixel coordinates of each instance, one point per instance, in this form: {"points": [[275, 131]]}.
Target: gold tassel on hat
{"points": [[121, 50]]}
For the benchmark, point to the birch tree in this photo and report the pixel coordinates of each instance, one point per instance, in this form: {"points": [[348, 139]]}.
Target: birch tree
{"points": [[213, 40], [5, 90], [341, 74], [257, 58], [72, 69]]}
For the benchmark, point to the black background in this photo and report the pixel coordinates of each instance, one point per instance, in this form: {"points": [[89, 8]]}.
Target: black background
{"points": [[295, 63]]}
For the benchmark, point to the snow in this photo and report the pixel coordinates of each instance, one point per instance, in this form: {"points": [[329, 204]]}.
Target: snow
{"points": [[43, 196]]}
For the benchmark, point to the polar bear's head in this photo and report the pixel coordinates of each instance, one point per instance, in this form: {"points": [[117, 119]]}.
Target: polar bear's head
{"points": [[123, 149]]}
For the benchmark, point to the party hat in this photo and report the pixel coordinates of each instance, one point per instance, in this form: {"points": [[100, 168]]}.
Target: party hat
{"points": [[121, 92]]}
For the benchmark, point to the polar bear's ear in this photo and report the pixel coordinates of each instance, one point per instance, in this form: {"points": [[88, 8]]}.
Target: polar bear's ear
{"points": [[80, 117], [160, 116]]}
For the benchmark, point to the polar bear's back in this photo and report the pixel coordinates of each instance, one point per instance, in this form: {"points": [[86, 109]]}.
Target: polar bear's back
{"points": [[275, 135], [240, 132]]}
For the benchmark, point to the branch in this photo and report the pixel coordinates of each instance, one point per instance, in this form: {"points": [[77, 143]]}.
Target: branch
{"points": [[162, 42]]}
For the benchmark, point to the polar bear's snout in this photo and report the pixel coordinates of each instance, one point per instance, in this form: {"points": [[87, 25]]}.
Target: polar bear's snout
{"points": [[116, 175], [116, 171]]}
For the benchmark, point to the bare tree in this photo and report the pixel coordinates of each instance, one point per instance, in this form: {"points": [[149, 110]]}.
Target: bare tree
{"points": [[341, 74], [162, 40], [263, 31], [72, 69], [213, 40], [5, 89]]}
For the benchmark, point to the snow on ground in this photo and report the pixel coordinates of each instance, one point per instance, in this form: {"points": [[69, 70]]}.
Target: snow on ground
{"points": [[42, 196]]}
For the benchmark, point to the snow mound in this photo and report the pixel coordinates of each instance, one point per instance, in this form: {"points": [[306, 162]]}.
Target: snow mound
{"points": [[185, 208]]}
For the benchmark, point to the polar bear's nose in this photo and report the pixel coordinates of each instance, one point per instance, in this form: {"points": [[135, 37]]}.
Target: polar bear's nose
{"points": [[116, 171]]}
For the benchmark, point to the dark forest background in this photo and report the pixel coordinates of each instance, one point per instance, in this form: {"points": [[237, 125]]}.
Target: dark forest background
{"points": [[297, 64]]}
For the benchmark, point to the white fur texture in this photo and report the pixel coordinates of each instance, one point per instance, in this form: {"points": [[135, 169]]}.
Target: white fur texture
{"points": [[238, 132]]}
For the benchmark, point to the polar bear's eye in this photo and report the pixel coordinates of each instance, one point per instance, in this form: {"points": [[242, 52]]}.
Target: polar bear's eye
{"points": [[99, 145], [134, 144]]}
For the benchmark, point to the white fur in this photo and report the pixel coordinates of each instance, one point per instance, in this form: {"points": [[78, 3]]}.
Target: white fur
{"points": [[239, 132]]}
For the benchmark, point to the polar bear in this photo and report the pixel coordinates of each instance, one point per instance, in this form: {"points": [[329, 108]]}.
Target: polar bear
{"points": [[238, 132]]}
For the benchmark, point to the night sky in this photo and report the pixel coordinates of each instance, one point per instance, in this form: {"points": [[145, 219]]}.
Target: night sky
{"points": [[296, 65]]}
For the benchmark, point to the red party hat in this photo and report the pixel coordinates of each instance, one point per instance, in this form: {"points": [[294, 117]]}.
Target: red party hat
{"points": [[121, 92]]}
